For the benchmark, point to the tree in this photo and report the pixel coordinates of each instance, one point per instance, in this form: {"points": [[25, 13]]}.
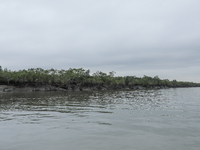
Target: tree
{"points": [[0, 73], [7, 75], [156, 80], [112, 73], [87, 73]]}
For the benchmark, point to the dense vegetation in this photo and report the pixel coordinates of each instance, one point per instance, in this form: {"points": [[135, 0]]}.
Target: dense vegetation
{"points": [[82, 78]]}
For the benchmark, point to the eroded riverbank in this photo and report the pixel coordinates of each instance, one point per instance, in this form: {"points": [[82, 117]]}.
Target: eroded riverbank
{"points": [[11, 88]]}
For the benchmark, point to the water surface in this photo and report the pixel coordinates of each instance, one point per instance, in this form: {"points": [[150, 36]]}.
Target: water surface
{"points": [[167, 119]]}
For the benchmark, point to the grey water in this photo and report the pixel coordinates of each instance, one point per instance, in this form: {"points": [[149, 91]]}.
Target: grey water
{"points": [[162, 119]]}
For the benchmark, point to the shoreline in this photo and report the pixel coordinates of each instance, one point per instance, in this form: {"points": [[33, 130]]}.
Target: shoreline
{"points": [[38, 79], [43, 88]]}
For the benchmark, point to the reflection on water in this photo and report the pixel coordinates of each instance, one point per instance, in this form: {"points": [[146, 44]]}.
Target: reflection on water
{"points": [[164, 119], [81, 101]]}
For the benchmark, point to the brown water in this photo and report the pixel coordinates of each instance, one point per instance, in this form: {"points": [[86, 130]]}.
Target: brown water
{"points": [[167, 119]]}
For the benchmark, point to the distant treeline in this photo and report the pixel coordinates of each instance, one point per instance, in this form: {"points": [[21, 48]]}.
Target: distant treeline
{"points": [[81, 77]]}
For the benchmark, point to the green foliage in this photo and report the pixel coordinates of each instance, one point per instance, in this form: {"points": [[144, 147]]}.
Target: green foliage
{"points": [[82, 77]]}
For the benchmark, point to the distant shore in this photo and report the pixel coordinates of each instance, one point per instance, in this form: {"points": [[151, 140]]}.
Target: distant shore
{"points": [[38, 79]]}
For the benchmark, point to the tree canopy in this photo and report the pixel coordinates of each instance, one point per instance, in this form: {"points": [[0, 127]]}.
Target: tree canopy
{"points": [[81, 77]]}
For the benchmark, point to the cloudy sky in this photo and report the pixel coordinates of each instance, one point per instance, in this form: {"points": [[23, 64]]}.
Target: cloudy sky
{"points": [[130, 37]]}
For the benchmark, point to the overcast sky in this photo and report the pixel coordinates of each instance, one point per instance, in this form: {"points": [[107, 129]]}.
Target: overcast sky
{"points": [[130, 37]]}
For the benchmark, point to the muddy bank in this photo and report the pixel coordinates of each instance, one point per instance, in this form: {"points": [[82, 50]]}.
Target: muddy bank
{"points": [[6, 88], [11, 88]]}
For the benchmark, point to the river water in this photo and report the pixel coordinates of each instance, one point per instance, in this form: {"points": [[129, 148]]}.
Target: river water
{"points": [[165, 119]]}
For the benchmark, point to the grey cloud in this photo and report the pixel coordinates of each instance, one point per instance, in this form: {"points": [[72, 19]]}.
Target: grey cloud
{"points": [[141, 37]]}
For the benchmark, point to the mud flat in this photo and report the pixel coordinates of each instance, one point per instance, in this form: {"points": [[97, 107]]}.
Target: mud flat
{"points": [[27, 88]]}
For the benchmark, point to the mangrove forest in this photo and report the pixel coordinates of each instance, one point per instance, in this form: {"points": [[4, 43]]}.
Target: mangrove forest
{"points": [[73, 78]]}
